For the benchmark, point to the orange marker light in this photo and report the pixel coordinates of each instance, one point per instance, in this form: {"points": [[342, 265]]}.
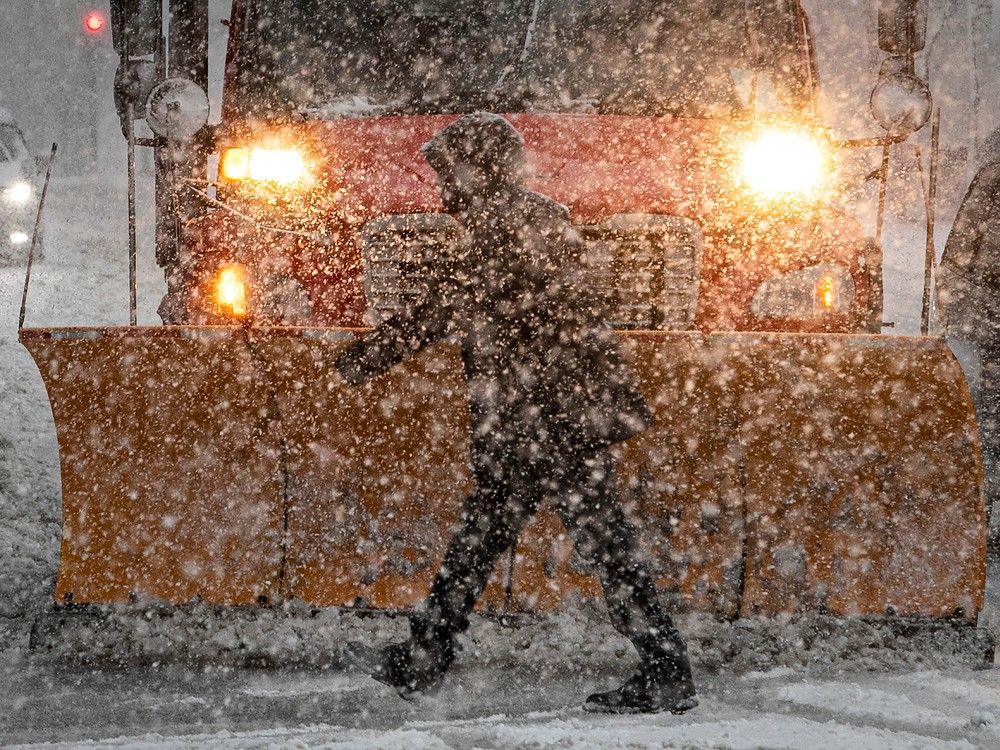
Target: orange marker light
{"points": [[235, 164], [826, 291], [231, 289]]}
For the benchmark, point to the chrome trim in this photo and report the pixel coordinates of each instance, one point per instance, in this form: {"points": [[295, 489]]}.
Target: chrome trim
{"points": [[656, 258], [75, 334], [624, 254], [400, 248]]}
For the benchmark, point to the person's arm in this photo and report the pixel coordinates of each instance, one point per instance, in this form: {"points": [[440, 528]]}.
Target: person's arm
{"points": [[399, 337]]}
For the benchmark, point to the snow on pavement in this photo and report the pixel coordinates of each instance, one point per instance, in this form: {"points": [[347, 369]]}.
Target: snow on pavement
{"points": [[767, 730], [852, 701], [172, 707]]}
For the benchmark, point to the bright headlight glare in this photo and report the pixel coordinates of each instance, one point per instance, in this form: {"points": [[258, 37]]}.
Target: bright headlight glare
{"points": [[281, 166], [780, 163], [18, 194], [270, 165]]}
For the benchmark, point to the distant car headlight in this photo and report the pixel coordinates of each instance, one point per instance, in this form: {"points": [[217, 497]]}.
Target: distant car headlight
{"points": [[284, 166], [806, 293], [783, 163], [18, 194]]}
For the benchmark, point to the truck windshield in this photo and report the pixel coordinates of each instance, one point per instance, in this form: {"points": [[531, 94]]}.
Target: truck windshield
{"points": [[328, 58]]}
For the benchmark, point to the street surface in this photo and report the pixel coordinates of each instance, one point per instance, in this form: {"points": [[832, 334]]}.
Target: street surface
{"points": [[180, 707], [44, 698]]}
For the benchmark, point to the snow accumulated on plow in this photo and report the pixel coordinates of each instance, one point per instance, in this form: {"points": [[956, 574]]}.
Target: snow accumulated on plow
{"points": [[785, 473]]}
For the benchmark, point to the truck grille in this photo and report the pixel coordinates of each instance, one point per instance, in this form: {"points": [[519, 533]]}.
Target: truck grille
{"points": [[401, 254], [649, 265]]}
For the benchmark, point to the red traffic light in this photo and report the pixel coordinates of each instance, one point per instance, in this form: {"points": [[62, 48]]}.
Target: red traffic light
{"points": [[94, 22]]}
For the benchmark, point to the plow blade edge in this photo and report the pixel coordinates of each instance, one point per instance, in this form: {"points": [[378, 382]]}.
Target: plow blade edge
{"points": [[784, 473]]}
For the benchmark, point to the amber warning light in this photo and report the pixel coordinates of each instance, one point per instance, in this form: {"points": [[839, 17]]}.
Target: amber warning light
{"points": [[231, 289], [826, 291], [94, 22]]}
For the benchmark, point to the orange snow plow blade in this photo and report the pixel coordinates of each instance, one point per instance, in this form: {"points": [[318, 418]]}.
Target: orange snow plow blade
{"points": [[785, 473], [170, 466]]}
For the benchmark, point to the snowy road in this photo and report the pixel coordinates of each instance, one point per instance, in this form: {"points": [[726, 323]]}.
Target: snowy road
{"points": [[184, 708], [82, 281]]}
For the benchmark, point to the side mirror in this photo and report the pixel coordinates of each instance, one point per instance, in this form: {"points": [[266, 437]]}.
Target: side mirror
{"points": [[901, 103], [177, 109], [902, 26]]}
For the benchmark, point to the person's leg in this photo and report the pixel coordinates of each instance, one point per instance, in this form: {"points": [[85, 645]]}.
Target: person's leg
{"points": [[491, 519], [590, 508]]}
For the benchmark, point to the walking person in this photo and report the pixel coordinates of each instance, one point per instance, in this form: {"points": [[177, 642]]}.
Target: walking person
{"points": [[968, 289], [549, 395]]}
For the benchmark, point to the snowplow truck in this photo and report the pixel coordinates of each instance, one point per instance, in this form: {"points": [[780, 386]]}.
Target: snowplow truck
{"points": [[800, 459]]}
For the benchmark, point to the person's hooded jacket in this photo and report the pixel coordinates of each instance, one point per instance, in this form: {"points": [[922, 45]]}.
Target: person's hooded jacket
{"points": [[542, 365], [968, 282]]}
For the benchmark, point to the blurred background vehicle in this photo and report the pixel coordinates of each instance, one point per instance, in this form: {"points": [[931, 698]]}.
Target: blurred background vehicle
{"points": [[19, 171]]}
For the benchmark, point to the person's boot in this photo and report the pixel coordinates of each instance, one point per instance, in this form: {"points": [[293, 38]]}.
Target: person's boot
{"points": [[647, 691], [662, 682], [415, 666]]}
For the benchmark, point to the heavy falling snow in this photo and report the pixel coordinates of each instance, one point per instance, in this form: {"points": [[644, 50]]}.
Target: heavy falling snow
{"points": [[151, 674]]}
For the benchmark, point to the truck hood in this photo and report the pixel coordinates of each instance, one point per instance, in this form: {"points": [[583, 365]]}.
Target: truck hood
{"points": [[597, 165]]}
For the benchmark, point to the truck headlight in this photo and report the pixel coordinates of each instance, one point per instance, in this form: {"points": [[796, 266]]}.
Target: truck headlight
{"points": [[806, 293], [231, 289], [18, 194], [783, 163], [283, 166]]}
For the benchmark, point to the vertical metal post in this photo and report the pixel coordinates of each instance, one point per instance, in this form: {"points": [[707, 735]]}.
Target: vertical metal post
{"points": [[130, 116], [875, 260], [929, 247], [165, 240], [188, 58], [883, 179], [184, 54], [187, 34]]}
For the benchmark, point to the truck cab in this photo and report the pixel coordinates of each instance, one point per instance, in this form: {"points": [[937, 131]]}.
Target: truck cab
{"points": [[683, 137]]}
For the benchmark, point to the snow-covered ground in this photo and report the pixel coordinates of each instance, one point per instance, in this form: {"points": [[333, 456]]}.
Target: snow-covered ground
{"points": [[176, 707], [529, 700]]}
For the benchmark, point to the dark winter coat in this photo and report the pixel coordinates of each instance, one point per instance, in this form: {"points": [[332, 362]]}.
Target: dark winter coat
{"points": [[968, 281], [542, 366]]}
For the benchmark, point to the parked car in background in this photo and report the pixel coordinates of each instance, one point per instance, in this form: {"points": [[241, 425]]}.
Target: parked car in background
{"points": [[18, 192]]}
